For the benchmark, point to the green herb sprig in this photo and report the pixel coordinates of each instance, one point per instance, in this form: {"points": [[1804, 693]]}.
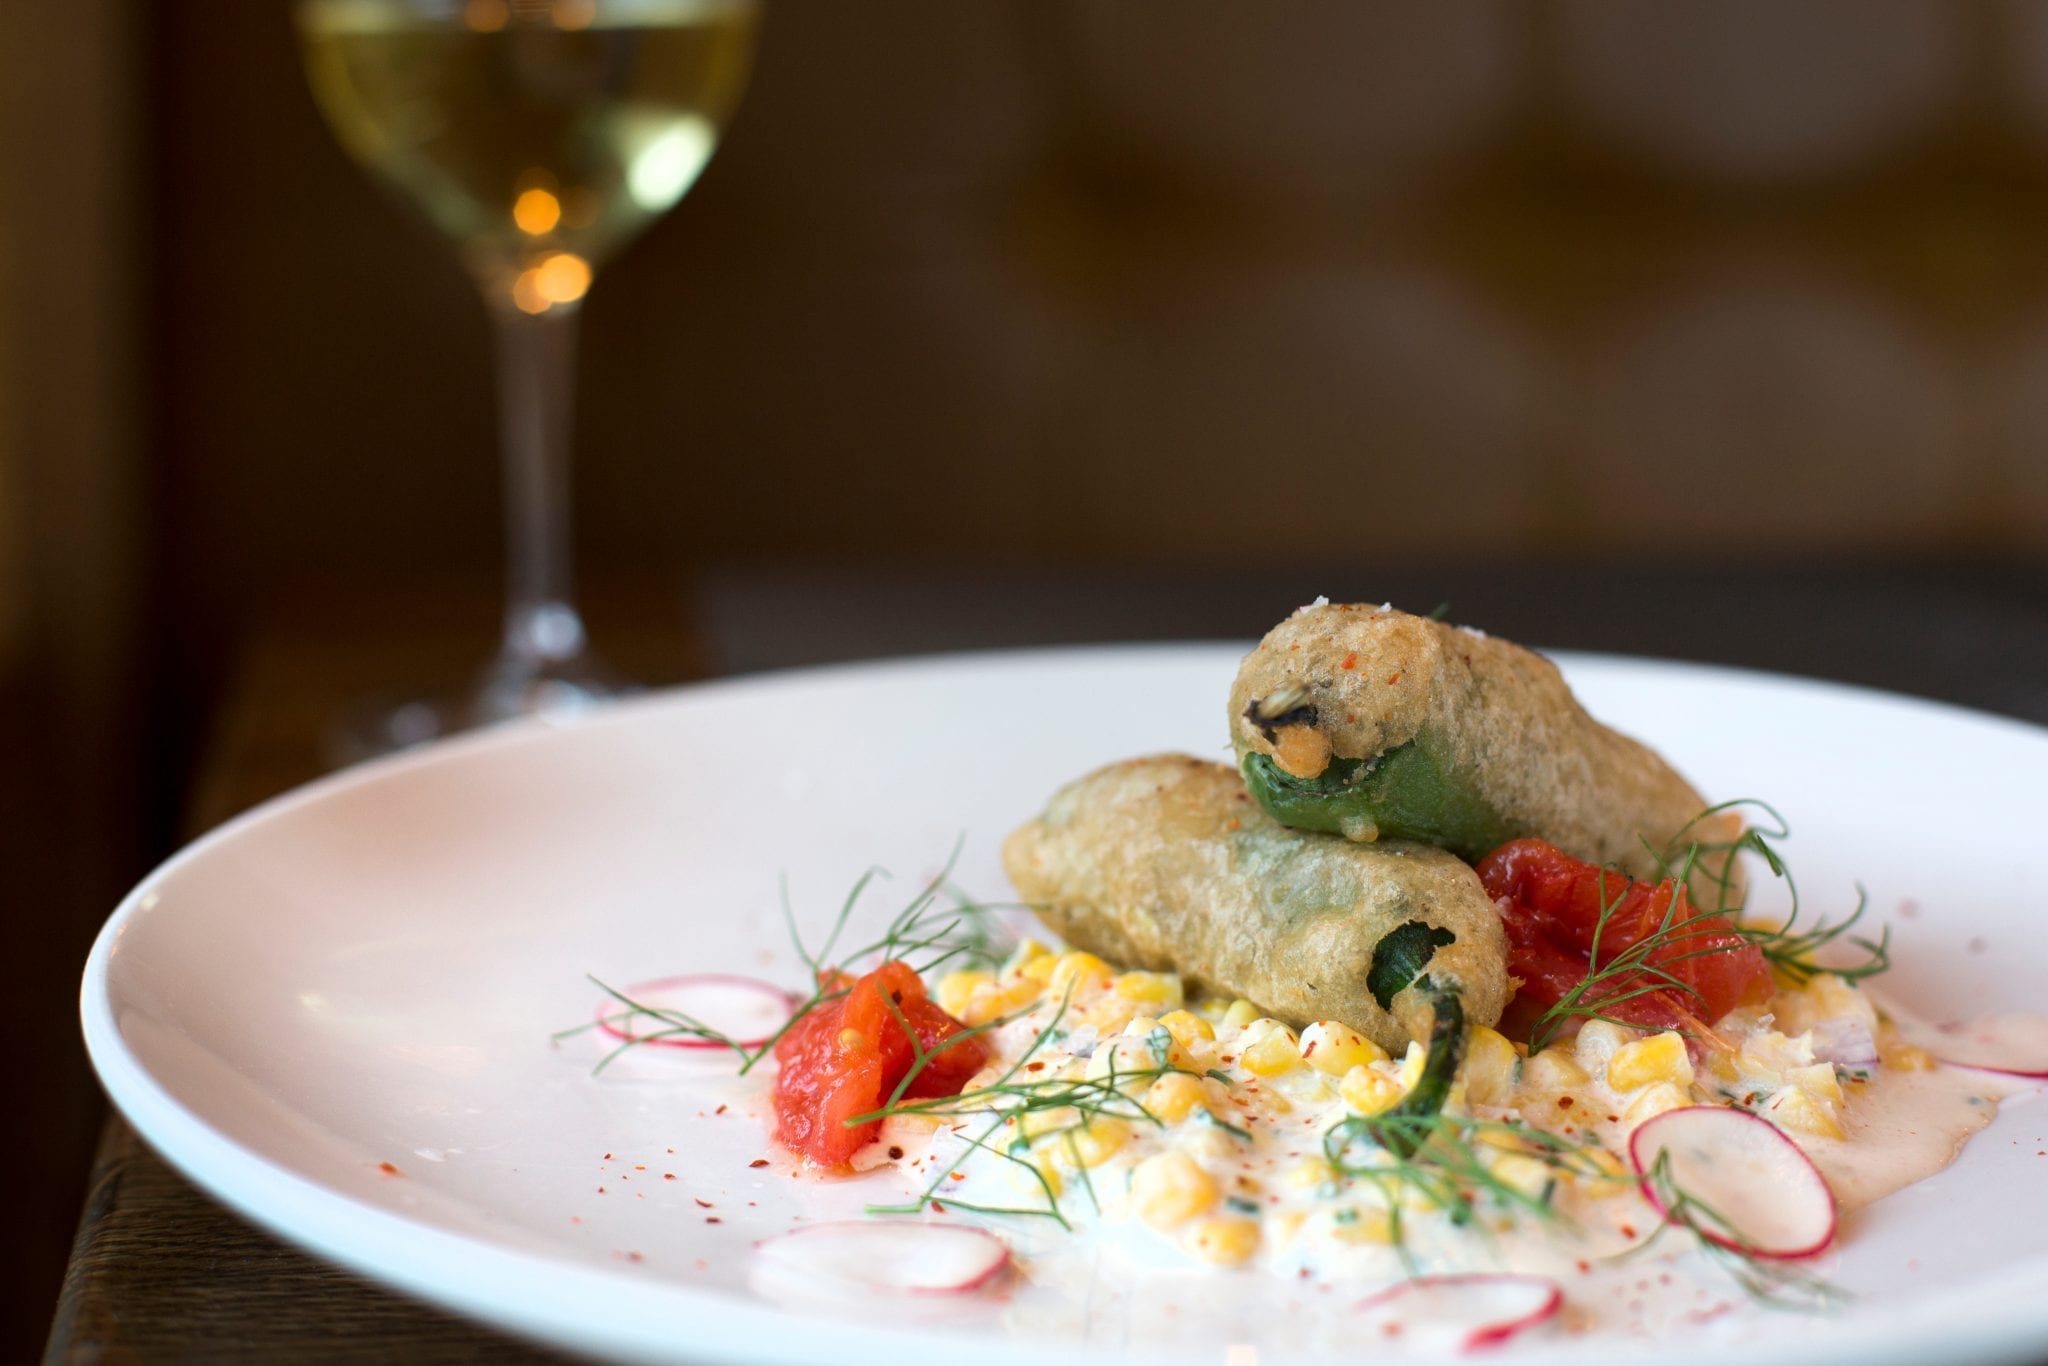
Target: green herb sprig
{"points": [[1014, 1096], [1437, 1156], [1770, 1281], [939, 927], [1690, 864]]}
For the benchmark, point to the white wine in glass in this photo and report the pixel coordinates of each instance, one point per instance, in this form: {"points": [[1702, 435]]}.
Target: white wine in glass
{"points": [[539, 136]]}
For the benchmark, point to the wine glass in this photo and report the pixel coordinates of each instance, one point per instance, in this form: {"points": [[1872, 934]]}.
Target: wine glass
{"points": [[539, 136]]}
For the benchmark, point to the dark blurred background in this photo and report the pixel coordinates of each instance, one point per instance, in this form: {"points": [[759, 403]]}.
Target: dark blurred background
{"points": [[1000, 322]]}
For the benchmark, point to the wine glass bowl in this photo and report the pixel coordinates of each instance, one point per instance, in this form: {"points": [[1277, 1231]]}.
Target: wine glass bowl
{"points": [[539, 137]]}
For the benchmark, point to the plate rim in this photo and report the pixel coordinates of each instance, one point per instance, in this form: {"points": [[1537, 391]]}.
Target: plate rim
{"points": [[340, 1229]]}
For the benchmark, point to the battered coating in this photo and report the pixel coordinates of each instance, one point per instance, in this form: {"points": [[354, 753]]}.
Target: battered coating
{"points": [[1345, 681], [1166, 863]]}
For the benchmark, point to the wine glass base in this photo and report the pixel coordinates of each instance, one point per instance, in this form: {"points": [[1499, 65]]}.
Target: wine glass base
{"points": [[387, 725]]}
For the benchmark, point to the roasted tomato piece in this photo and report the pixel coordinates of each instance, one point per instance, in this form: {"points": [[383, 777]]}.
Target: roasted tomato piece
{"points": [[846, 1057], [1552, 904]]}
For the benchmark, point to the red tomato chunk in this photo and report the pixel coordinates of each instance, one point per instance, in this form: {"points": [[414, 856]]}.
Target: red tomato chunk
{"points": [[1550, 904], [845, 1058]]}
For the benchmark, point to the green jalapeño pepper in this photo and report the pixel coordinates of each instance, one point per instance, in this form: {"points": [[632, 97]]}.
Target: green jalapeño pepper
{"points": [[1406, 793]]}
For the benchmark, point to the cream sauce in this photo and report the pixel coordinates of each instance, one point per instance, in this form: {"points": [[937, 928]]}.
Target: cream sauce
{"points": [[1904, 1126]]}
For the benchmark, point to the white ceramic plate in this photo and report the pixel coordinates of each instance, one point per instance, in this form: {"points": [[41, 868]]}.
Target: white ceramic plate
{"points": [[368, 971]]}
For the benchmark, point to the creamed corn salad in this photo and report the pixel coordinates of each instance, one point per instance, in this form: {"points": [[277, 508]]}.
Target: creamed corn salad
{"points": [[1217, 1146]]}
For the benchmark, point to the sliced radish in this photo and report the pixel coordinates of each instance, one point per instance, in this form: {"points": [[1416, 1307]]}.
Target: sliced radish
{"points": [[1469, 1312], [1773, 1201], [744, 1009], [2013, 1043], [859, 1260]]}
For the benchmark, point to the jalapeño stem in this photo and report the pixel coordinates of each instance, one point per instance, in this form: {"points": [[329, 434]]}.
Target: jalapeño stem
{"points": [[1402, 1130]]}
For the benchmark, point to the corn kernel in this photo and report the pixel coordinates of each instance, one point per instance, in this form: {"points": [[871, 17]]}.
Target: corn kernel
{"points": [[1661, 1057], [1095, 1142], [1263, 1028], [1490, 1066], [1272, 1056], [1187, 1028], [956, 989], [1035, 1124], [1308, 1173], [992, 1003], [1334, 1048], [1224, 1242], [1173, 1097], [1039, 969], [1818, 1081], [1825, 998], [1770, 1054], [1027, 951], [1792, 1108], [1078, 972], [1125, 1057], [1037, 1175], [1554, 1071], [1170, 1188], [1654, 1100], [1529, 1175], [1149, 988], [1353, 1225], [1368, 1091], [1411, 1065], [1597, 1042], [1904, 1057], [1240, 1014]]}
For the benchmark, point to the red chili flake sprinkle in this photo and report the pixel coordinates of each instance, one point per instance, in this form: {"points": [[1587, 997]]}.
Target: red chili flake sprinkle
{"points": [[895, 1153], [719, 1111], [388, 1169], [702, 1203], [1350, 661], [600, 1190], [1564, 1102], [669, 1150], [959, 1176], [635, 1257], [1034, 1067], [607, 1157], [668, 1176], [758, 1162], [1310, 1051], [1585, 1267], [1393, 678], [639, 1166], [575, 1218], [1628, 1230], [713, 1219], [938, 1208], [1233, 824]]}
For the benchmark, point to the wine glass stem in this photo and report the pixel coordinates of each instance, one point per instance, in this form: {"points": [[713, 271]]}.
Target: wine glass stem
{"points": [[536, 378]]}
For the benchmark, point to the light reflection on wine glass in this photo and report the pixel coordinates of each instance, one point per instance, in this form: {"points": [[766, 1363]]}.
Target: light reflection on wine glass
{"points": [[539, 136]]}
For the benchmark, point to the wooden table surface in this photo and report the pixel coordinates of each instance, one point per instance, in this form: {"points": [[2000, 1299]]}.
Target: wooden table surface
{"points": [[161, 1272]]}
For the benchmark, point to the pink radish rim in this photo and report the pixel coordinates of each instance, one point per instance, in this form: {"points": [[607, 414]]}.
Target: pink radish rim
{"points": [[1644, 1184], [1483, 1335], [1946, 1028], [611, 1006], [999, 1263]]}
